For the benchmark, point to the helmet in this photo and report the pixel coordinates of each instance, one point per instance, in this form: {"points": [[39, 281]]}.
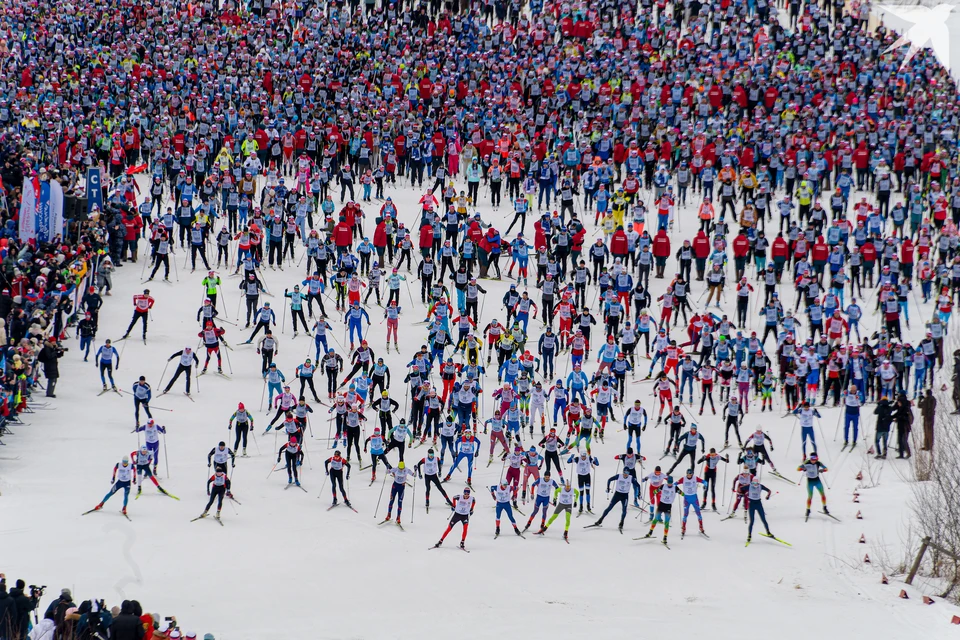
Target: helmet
{"points": [[401, 465], [239, 406]]}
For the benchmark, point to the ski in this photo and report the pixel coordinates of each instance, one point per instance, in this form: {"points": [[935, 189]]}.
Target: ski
{"points": [[102, 392], [777, 539], [224, 375], [126, 516], [169, 495], [91, 511], [729, 517], [217, 518], [333, 506], [198, 517], [384, 521], [830, 515], [664, 543], [704, 535], [464, 550], [785, 479], [189, 396], [591, 526]]}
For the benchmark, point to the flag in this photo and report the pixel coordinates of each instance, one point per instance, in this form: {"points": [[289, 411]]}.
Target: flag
{"points": [[28, 209], [49, 211], [94, 189]]}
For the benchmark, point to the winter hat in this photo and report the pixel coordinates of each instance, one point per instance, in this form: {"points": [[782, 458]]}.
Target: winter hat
{"points": [[65, 593]]}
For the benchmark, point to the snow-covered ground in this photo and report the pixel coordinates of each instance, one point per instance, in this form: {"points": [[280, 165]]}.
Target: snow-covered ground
{"points": [[283, 566]]}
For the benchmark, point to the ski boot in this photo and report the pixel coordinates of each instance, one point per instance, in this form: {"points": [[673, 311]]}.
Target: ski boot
{"points": [[123, 511], [462, 545], [516, 530], [98, 507], [204, 370], [497, 532], [244, 451]]}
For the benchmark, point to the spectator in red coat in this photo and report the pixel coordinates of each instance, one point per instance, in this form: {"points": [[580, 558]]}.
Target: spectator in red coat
{"points": [[701, 249], [661, 251], [618, 244], [343, 235]]}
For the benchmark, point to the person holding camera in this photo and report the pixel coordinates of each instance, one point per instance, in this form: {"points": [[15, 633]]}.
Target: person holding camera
{"points": [[23, 605], [49, 356]]}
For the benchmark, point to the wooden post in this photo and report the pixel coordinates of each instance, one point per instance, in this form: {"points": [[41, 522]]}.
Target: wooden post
{"points": [[916, 561]]}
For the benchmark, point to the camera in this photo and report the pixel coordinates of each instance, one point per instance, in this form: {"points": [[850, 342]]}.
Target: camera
{"points": [[37, 592]]}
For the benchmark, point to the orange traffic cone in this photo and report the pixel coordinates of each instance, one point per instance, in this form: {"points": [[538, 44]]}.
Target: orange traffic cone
{"points": [[863, 539], [928, 600], [883, 579], [903, 595]]}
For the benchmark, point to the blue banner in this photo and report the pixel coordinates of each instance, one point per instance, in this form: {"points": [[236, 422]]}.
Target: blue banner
{"points": [[43, 213], [94, 190]]}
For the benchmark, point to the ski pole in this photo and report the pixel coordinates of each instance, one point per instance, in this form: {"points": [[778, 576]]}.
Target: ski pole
{"points": [[163, 374], [229, 364], [413, 501], [325, 476], [723, 495], [253, 433], [166, 458], [272, 470], [382, 485]]}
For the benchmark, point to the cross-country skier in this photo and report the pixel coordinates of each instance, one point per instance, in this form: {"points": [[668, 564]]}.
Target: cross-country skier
{"points": [[463, 506], [293, 454], [432, 468], [142, 304], [123, 476], [399, 473], [563, 499], [625, 483], [104, 358], [812, 468], [151, 435], [221, 487], [144, 459], [187, 359], [244, 425], [503, 494], [333, 467]]}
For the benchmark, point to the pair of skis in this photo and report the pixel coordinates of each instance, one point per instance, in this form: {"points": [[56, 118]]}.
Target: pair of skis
{"points": [[95, 509], [204, 515], [337, 504]]}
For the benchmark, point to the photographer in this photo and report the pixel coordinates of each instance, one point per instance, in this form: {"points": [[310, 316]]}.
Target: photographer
{"points": [[49, 357], [24, 605]]}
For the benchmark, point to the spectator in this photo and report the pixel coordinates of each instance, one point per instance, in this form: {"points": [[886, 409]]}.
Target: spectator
{"points": [[24, 605], [127, 625], [8, 612]]}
